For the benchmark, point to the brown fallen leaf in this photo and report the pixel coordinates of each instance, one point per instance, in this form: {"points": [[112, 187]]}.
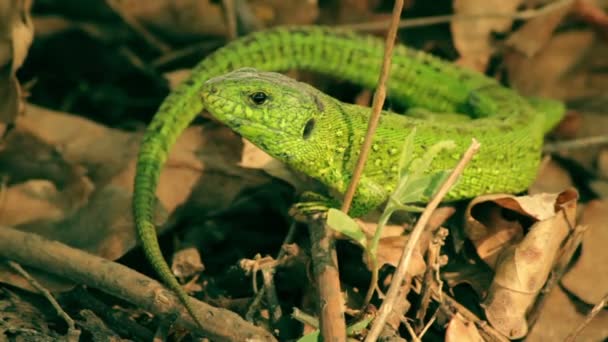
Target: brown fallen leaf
{"points": [[460, 330], [16, 35], [535, 33], [588, 277], [280, 12], [472, 38], [602, 164], [177, 18], [30, 201], [562, 69], [561, 315], [551, 178], [201, 170], [523, 268]]}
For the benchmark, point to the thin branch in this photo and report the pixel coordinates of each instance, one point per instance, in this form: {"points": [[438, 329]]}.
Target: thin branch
{"points": [[379, 97], [230, 16], [148, 37], [325, 269], [118, 280], [73, 333], [445, 19], [575, 144], [260, 294], [387, 305], [590, 316]]}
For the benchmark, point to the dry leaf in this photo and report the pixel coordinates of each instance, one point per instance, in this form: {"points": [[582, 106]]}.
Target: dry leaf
{"points": [[16, 35], [177, 18], [602, 164], [202, 164], [561, 70], [30, 201], [535, 33], [551, 178], [460, 330], [523, 268], [281, 12], [491, 232], [588, 277], [600, 188], [472, 37], [561, 315]]}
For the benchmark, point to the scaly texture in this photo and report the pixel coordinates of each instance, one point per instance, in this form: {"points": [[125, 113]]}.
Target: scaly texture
{"points": [[510, 127]]}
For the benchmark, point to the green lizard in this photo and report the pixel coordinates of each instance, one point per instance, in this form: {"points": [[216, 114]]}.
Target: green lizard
{"points": [[320, 136]]}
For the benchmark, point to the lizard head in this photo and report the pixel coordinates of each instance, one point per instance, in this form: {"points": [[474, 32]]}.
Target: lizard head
{"points": [[286, 118]]}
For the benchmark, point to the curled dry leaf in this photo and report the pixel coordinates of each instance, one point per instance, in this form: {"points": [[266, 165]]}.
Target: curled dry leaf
{"points": [[588, 277], [16, 35], [523, 268], [492, 231]]}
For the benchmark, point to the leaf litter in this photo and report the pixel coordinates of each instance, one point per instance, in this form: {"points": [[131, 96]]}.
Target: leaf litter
{"points": [[74, 183]]}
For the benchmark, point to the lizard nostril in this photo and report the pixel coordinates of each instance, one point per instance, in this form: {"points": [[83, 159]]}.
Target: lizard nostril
{"points": [[212, 90]]}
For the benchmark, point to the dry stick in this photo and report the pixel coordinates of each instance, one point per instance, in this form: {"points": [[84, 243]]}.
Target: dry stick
{"points": [[590, 316], [333, 327], [387, 306], [379, 97], [450, 306], [230, 15], [118, 280], [576, 143], [325, 269], [73, 333], [260, 294], [445, 19]]}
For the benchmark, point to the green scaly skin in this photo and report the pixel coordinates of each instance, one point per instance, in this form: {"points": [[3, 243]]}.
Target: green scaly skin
{"points": [[509, 127]]}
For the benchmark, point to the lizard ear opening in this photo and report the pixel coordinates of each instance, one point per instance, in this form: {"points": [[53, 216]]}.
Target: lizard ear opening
{"points": [[308, 128]]}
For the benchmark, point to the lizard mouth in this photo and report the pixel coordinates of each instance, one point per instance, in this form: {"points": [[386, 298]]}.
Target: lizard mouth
{"points": [[245, 127]]}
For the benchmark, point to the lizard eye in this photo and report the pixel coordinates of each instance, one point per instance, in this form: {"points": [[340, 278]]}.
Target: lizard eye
{"points": [[310, 125], [258, 97]]}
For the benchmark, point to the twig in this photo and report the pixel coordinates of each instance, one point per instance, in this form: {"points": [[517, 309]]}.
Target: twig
{"points": [[230, 15], [590, 316], [327, 280], [120, 281], [444, 19], [431, 275], [260, 294], [379, 97], [575, 143], [138, 28], [387, 305], [187, 51], [274, 306], [73, 333], [450, 306]]}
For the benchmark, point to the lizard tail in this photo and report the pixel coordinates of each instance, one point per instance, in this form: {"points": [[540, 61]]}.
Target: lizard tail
{"points": [[148, 171]]}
